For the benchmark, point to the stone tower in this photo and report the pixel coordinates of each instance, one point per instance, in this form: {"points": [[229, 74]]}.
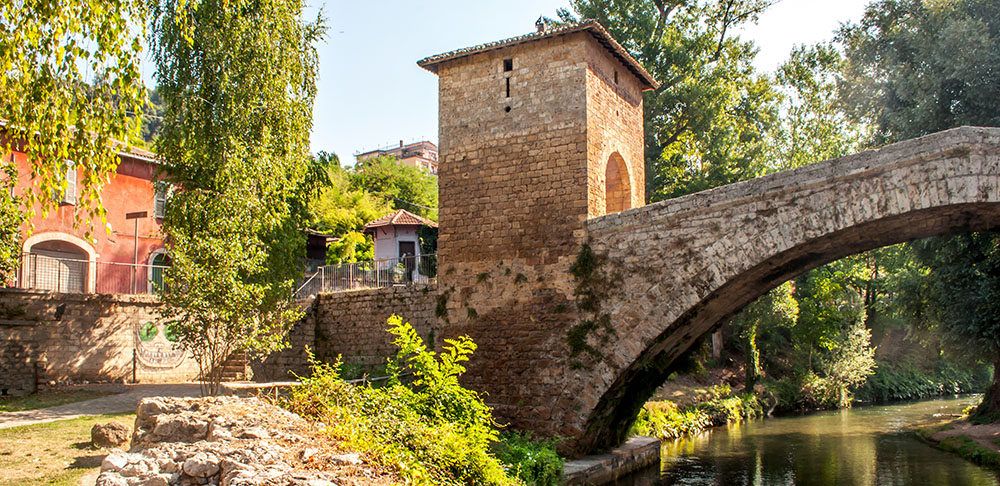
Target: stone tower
{"points": [[537, 134]]}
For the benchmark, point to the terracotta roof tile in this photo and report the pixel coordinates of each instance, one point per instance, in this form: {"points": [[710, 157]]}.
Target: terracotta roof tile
{"points": [[586, 25], [401, 217]]}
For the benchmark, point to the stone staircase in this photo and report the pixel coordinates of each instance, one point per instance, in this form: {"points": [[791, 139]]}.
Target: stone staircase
{"points": [[236, 367]]}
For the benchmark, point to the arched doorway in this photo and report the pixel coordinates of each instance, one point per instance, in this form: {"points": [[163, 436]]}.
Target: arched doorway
{"points": [[617, 185], [158, 267], [60, 263]]}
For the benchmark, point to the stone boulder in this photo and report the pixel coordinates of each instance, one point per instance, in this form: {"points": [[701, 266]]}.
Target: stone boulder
{"points": [[231, 441], [110, 435]]}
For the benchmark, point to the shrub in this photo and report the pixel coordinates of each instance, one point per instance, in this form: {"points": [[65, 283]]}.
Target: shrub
{"points": [[432, 431], [664, 420], [533, 461]]}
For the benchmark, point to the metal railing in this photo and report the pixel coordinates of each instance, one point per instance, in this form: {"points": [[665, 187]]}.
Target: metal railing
{"points": [[369, 275], [69, 275]]}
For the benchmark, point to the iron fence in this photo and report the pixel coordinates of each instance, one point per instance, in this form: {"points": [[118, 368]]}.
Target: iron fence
{"points": [[69, 275], [369, 275]]}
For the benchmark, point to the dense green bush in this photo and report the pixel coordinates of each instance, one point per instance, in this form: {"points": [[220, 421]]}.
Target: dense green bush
{"points": [[907, 382], [533, 461], [664, 420], [432, 430]]}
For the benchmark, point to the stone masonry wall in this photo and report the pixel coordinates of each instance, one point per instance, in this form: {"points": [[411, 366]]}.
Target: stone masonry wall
{"points": [[353, 324], [614, 127], [82, 337], [510, 181]]}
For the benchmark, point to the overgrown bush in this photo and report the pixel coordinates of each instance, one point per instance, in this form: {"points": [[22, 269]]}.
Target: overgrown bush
{"points": [[432, 430], [664, 420], [533, 461], [908, 382]]}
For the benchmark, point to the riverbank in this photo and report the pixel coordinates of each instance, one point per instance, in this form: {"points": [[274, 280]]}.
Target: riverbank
{"points": [[977, 443], [864, 445]]}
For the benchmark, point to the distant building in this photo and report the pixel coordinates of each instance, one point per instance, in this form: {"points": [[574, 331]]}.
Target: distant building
{"points": [[422, 154], [396, 236]]}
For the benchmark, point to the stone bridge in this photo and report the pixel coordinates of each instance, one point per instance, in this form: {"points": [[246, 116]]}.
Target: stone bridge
{"points": [[675, 270]]}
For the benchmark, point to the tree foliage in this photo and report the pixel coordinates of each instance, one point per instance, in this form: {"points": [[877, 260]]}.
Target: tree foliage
{"points": [[918, 67], [814, 126], [69, 93], [238, 80], [403, 186], [707, 123]]}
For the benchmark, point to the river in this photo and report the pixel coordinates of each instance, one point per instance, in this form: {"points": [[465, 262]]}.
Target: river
{"points": [[871, 445]]}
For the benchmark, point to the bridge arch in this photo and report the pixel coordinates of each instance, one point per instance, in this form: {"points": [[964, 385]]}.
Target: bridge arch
{"points": [[680, 268]]}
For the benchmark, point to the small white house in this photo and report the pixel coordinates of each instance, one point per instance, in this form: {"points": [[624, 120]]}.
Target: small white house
{"points": [[395, 235]]}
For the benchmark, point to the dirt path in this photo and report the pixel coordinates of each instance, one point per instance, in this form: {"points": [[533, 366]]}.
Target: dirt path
{"points": [[122, 402], [984, 435]]}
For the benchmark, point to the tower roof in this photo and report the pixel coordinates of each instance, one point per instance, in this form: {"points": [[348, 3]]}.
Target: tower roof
{"points": [[588, 25]]}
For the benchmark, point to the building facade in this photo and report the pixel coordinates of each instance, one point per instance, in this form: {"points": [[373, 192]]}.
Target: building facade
{"points": [[63, 252], [423, 155]]}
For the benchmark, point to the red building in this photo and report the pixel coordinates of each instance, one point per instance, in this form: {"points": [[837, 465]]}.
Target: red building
{"points": [[127, 256]]}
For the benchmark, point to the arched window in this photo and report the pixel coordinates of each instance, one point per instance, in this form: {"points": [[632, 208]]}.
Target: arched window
{"points": [[59, 265], [617, 185]]}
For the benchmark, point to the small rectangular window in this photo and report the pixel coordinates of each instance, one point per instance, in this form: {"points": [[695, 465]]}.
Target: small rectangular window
{"points": [[508, 65]]}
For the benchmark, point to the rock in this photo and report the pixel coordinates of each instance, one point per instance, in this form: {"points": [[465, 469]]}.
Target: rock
{"points": [[110, 479], [346, 459], [255, 433], [158, 480], [308, 453], [183, 427], [168, 466], [114, 462], [110, 435], [319, 482], [201, 465]]}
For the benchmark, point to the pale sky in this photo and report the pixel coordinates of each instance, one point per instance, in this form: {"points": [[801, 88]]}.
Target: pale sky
{"points": [[371, 92]]}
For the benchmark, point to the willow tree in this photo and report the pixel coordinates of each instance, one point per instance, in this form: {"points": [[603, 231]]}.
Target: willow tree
{"points": [[69, 93], [237, 79]]}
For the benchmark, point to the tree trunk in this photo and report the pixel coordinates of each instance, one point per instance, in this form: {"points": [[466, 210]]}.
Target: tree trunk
{"points": [[989, 410], [752, 365]]}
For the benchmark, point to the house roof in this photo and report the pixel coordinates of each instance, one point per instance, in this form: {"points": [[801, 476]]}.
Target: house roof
{"points": [[588, 25], [400, 218]]}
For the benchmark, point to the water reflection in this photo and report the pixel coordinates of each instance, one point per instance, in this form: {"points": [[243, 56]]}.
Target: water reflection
{"points": [[864, 446]]}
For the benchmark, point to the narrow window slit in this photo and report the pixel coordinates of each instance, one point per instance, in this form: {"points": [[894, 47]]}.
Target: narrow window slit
{"points": [[508, 87]]}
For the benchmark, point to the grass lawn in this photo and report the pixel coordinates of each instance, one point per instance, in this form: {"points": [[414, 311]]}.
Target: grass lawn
{"points": [[54, 453], [49, 398]]}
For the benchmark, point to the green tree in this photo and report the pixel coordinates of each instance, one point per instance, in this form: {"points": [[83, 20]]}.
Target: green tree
{"points": [[707, 123], [11, 219], [342, 206], [403, 186], [814, 126], [69, 91], [237, 78], [773, 310], [918, 67]]}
